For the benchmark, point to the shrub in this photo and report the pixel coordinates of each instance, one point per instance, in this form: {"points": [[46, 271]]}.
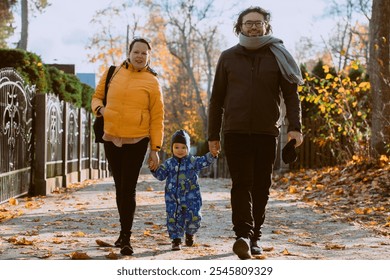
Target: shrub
{"points": [[47, 78]]}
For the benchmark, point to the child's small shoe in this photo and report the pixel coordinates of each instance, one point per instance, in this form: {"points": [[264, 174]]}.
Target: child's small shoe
{"points": [[189, 240], [176, 244]]}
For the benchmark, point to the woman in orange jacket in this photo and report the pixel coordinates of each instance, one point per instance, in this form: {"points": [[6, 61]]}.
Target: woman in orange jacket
{"points": [[133, 117]]}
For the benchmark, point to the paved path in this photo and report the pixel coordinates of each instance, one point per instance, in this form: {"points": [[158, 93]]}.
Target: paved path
{"points": [[66, 225]]}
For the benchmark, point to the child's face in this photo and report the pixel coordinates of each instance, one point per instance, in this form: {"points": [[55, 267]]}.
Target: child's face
{"points": [[179, 150]]}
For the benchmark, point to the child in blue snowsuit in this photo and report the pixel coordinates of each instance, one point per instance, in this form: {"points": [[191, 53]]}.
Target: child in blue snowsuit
{"points": [[182, 191]]}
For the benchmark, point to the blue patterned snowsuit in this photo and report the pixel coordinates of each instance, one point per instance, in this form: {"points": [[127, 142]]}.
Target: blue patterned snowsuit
{"points": [[182, 192]]}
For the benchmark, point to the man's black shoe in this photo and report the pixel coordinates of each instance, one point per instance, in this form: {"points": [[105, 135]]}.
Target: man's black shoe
{"points": [[255, 248], [242, 249]]}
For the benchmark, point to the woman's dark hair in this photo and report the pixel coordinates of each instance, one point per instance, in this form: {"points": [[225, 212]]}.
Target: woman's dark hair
{"points": [[267, 16], [139, 39]]}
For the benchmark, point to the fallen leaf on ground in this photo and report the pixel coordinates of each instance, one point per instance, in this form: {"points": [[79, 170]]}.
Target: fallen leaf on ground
{"points": [[286, 252], [260, 257], [22, 241], [13, 201], [267, 249], [112, 256], [334, 247], [78, 234], [57, 241], [79, 256], [102, 243]]}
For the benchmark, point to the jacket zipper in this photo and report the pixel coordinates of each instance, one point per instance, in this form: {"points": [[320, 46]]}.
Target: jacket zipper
{"points": [[177, 186], [252, 93]]}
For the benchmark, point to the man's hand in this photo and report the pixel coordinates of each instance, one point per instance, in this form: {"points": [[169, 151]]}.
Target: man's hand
{"points": [[214, 147], [297, 136]]}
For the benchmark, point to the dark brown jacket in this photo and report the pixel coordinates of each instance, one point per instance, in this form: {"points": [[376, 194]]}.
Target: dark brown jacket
{"points": [[247, 92]]}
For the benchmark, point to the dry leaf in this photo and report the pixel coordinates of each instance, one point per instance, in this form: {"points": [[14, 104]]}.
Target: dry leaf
{"points": [[305, 244], [78, 234], [22, 241], [334, 247], [112, 256], [57, 241], [102, 243], [267, 249], [79, 256], [13, 201], [260, 257], [292, 189], [286, 252], [46, 255]]}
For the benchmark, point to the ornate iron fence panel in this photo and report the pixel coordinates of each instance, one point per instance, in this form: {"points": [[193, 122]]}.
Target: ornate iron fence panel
{"points": [[72, 136], [85, 139], [54, 132], [15, 134]]}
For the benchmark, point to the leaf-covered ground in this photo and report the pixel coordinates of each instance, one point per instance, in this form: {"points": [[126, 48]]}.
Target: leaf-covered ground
{"points": [[333, 213], [358, 192]]}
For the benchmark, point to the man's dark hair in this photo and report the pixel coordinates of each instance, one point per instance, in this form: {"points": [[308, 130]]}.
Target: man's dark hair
{"points": [[267, 16]]}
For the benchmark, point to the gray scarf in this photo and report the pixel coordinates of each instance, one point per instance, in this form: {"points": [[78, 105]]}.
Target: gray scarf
{"points": [[289, 68]]}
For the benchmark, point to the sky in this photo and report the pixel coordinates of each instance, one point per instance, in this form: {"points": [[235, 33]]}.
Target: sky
{"points": [[61, 33]]}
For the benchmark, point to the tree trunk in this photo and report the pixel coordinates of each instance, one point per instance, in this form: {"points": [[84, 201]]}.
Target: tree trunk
{"points": [[380, 77], [24, 34]]}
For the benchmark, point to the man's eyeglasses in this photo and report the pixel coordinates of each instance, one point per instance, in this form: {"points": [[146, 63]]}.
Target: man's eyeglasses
{"points": [[258, 24]]}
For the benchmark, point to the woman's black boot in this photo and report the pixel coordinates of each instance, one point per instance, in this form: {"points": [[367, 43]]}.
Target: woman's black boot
{"points": [[126, 248], [118, 242]]}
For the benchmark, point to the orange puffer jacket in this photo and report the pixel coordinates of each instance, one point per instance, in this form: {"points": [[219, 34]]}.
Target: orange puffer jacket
{"points": [[134, 105]]}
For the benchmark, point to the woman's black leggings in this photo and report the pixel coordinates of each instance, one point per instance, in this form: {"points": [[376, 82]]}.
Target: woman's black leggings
{"points": [[126, 163]]}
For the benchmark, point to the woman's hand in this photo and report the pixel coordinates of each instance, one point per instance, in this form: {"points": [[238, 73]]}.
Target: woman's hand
{"points": [[101, 111], [154, 160]]}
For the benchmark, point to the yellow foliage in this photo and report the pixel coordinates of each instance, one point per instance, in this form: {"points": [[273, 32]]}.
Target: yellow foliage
{"points": [[355, 65], [326, 68], [384, 159]]}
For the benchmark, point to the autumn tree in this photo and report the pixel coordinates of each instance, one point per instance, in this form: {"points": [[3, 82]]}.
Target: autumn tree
{"points": [[115, 25], [349, 39], [6, 19], [380, 77], [192, 39], [26, 6]]}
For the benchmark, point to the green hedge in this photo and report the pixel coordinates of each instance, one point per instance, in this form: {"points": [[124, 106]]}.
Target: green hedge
{"points": [[47, 78]]}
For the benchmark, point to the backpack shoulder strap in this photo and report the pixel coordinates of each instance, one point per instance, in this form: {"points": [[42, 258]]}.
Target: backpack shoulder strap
{"points": [[109, 75]]}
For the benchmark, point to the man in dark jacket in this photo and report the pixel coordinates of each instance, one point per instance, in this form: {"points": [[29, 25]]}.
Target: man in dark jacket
{"points": [[250, 80]]}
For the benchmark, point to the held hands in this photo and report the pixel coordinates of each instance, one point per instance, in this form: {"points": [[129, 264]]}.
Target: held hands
{"points": [[215, 147], [295, 135], [153, 160]]}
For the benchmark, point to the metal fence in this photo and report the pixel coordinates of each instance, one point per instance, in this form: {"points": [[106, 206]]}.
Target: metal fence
{"points": [[15, 134], [45, 143]]}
